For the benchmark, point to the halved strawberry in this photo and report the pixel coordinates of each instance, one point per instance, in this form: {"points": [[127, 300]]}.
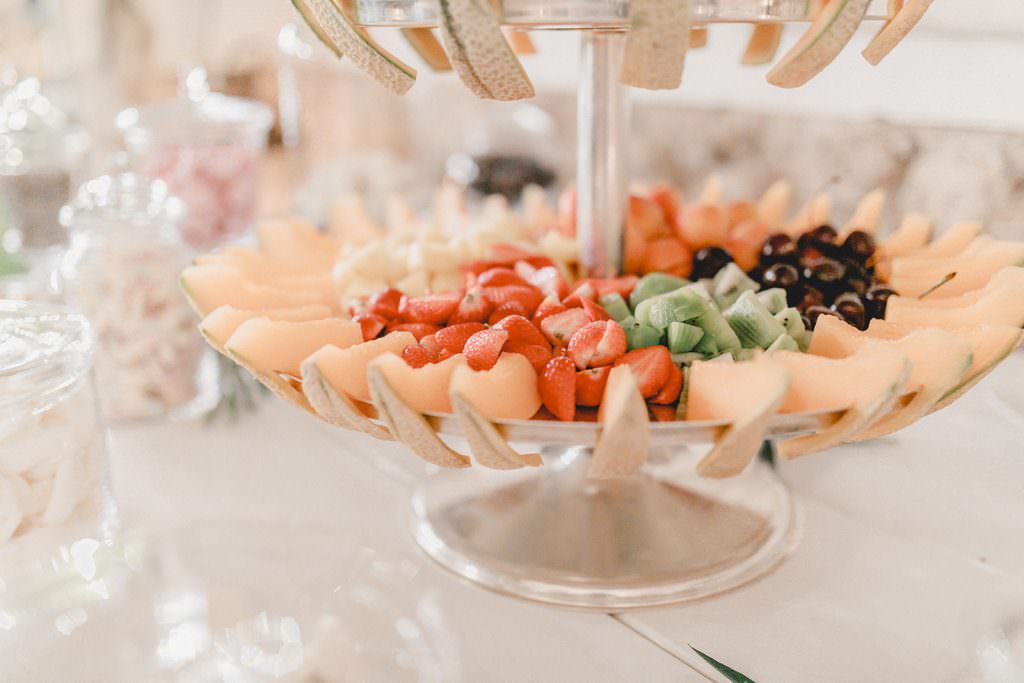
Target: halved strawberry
{"points": [[594, 311], [500, 277], [535, 353], [560, 327], [622, 285], [669, 393], [429, 342], [385, 303], [660, 413], [370, 324], [521, 330], [444, 354], [668, 255], [507, 309], [483, 349], [668, 200], [549, 280], [547, 307], [430, 308], [418, 330], [417, 356], [524, 294], [507, 254], [475, 268], [580, 291], [652, 367], [473, 308], [557, 385], [454, 337], [597, 343], [590, 386]]}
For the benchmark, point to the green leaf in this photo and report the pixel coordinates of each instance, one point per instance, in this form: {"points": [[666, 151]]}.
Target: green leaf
{"points": [[731, 674]]}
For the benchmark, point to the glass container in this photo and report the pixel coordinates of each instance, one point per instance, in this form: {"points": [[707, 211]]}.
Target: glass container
{"points": [[122, 271], [207, 148]]}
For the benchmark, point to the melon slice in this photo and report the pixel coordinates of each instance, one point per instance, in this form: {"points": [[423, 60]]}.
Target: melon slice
{"points": [[479, 52], [521, 42], [862, 386], [812, 214], [712, 191], [328, 19], [424, 389], [867, 215], [407, 424], [622, 446], [311, 21], [218, 326], [659, 35], [940, 361], [428, 47], [973, 271], [488, 446], [748, 412], [297, 242], [698, 38], [901, 22], [953, 241], [831, 30], [210, 287], [913, 233], [280, 346], [508, 391], [335, 407], [257, 266], [1012, 276], [763, 44], [345, 369], [774, 204], [1001, 305]]}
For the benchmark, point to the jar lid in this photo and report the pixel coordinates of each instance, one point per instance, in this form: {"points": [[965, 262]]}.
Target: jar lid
{"points": [[33, 130], [123, 198], [44, 350], [211, 119]]}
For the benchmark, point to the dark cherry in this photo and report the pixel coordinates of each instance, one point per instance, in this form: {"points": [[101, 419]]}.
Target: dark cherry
{"points": [[806, 321], [859, 246], [810, 255], [821, 236], [781, 275], [856, 284], [805, 296], [778, 247], [826, 274], [876, 299], [815, 312], [851, 309], [709, 261]]}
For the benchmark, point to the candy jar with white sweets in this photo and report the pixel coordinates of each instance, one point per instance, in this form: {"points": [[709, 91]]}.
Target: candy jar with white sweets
{"points": [[207, 148], [121, 271]]}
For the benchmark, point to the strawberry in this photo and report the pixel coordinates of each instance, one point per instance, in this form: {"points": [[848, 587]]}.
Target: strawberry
{"points": [[535, 353], [473, 308], [557, 385], [454, 337], [524, 294], [597, 343], [357, 307], [371, 325], [667, 200], [500, 277], [549, 280], [521, 330], [590, 386], [524, 269], [622, 286], [483, 349], [475, 268], [385, 303], [507, 254], [444, 354], [433, 309], [582, 290], [539, 262], [417, 356], [429, 342], [418, 330], [652, 367], [661, 413], [671, 389], [505, 310], [560, 327], [594, 311], [547, 307], [668, 255]]}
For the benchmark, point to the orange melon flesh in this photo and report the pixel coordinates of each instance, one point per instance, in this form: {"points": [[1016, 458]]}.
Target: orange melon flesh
{"points": [[1003, 305], [952, 242], [280, 346], [1011, 276], [622, 446], [425, 389], [774, 203], [812, 214], [972, 271], [210, 287], [296, 241], [867, 215], [913, 233], [260, 267], [345, 369], [748, 412], [508, 391], [218, 326]]}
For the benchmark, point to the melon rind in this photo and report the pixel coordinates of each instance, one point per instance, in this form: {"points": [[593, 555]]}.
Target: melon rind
{"points": [[428, 47], [622, 446], [488, 446], [823, 41], [763, 44], [698, 38], [334, 406], [314, 26], [895, 30], [479, 52], [659, 36]]}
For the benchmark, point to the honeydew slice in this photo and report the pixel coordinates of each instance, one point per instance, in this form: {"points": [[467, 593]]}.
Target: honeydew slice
{"points": [[408, 425], [423, 389], [774, 204], [328, 19], [659, 35], [902, 22], [219, 325], [940, 361], [868, 213], [508, 391], [280, 346], [335, 407], [831, 30], [1012, 276], [1001, 305], [973, 271], [953, 241], [698, 38], [748, 412], [428, 47], [207, 288], [863, 386], [812, 214], [479, 52], [763, 44], [912, 234], [624, 440], [345, 368], [488, 446]]}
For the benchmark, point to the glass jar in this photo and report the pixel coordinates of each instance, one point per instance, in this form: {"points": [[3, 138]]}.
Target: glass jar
{"points": [[207, 150], [121, 270]]}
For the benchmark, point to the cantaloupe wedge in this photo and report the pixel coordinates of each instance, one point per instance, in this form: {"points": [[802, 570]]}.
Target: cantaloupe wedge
{"points": [[508, 391], [408, 425], [1001, 305], [280, 346], [328, 20], [815, 212], [748, 412], [219, 325], [831, 30], [774, 204], [912, 234], [973, 271], [953, 241], [1012, 276], [345, 369], [863, 386], [659, 36], [712, 191], [336, 408], [895, 30], [488, 446], [262, 268], [424, 389], [622, 446], [940, 360], [479, 52], [428, 47], [210, 287], [296, 241], [763, 44], [867, 215]]}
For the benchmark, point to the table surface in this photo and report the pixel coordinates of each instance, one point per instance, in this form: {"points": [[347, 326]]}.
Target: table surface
{"points": [[912, 547]]}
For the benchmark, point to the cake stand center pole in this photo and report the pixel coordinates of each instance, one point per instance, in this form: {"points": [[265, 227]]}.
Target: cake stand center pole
{"points": [[602, 112]]}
